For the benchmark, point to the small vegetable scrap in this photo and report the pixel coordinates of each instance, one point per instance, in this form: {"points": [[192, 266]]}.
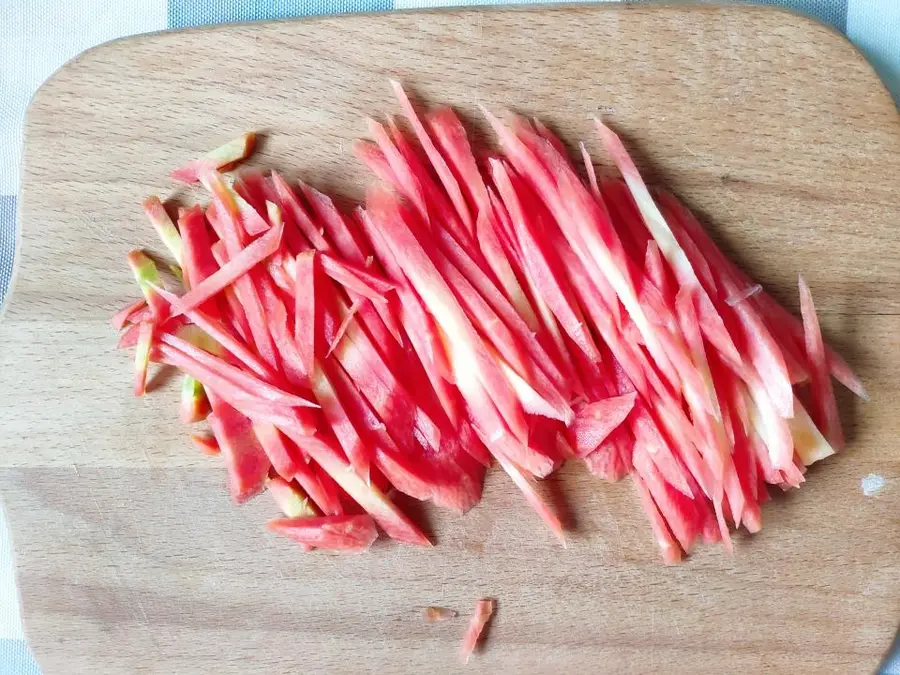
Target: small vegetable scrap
{"points": [[478, 309], [483, 611], [438, 614]]}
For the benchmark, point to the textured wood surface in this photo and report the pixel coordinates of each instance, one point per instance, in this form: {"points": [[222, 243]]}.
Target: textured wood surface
{"points": [[131, 558]]}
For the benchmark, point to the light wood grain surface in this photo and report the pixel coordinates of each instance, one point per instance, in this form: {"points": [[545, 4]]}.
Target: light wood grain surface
{"points": [[131, 558]]}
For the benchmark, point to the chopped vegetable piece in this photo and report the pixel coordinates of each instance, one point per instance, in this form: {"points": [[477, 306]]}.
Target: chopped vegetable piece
{"points": [[126, 314], [290, 498], [353, 534], [245, 460], [344, 325], [671, 552], [142, 357], [250, 385], [356, 278], [282, 453], [434, 156], [483, 611], [825, 410], [438, 614], [595, 421], [165, 228], [243, 262], [206, 443], [147, 277], [194, 406], [306, 288], [222, 157]]}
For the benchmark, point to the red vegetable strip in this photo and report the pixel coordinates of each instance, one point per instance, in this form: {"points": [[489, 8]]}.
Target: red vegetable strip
{"points": [[790, 327], [306, 288], [353, 247], [335, 413], [606, 463], [671, 552], [373, 158], [142, 357], [238, 318], [405, 178], [556, 163], [655, 270], [676, 509], [539, 266], [129, 337], [147, 277], [283, 455], [825, 410], [375, 378], [597, 420], [356, 278], [422, 332], [294, 212], [369, 497], [441, 213], [337, 533], [124, 315], [194, 406], [165, 228], [768, 423], [222, 157], [492, 250], [549, 136], [718, 454], [207, 444], [483, 611], [349, 315], [245, 461], [764, 352], [252, 187], [199, 261], [589, 169], [252, 221], [246, 382], [450, 136], [219, 332], [552, 341], [669, 353], [290, 498], [280, 329], [533, 498], [536, 393], [253, 254], [321, 489], [590, 233], [451, 186], [647, 431], [419, 325]]}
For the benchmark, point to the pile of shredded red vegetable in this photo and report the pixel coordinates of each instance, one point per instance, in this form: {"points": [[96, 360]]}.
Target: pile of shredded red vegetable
{"points": [[477, 309]]}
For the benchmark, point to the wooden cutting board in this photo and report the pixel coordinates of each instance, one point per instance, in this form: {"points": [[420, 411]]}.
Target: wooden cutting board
{"points": [[131, 559]]}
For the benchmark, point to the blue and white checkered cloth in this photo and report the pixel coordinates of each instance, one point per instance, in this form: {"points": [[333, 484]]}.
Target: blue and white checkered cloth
{"points": [[38, 36]]}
